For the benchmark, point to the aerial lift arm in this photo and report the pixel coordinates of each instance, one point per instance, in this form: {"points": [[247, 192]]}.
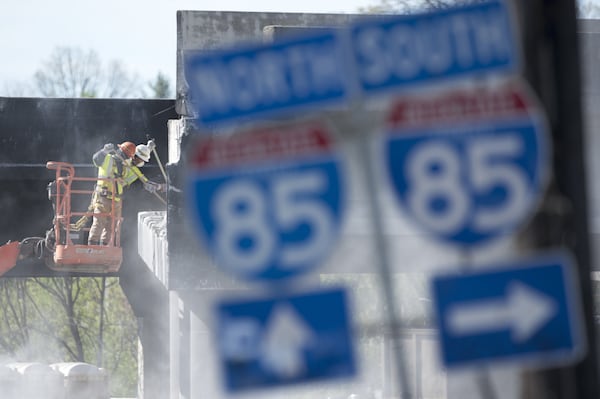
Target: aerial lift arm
{"points": [[9, 253], [13, 251]]}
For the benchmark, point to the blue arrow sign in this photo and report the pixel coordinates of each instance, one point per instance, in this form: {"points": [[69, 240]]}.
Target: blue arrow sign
{"points": [[269, 202], [452, 43], [260, 80], [525, 311], [284, 340]]}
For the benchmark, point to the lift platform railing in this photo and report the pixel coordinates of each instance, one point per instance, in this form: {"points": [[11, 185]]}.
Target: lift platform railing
{"points": [[71, 189]]}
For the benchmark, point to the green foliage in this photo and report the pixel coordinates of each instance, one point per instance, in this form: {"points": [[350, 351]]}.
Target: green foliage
{"points": [[411, 6], [71, 319], [160, 87], [14, 333]]}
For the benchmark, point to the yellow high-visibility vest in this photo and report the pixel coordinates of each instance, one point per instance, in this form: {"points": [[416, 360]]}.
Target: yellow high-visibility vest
{"points": [[110, 169]]}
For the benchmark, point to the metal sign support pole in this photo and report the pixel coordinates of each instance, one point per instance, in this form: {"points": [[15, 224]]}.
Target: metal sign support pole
{"points": [[381, 252], [483, 377]]}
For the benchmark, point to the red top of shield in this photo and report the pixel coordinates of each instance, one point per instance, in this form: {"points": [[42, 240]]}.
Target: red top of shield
{"points": [[459, 106], [262, 145]]}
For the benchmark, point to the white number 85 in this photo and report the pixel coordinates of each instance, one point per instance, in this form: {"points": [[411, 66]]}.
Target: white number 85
{"points": [[241, 209], [434, 172]]}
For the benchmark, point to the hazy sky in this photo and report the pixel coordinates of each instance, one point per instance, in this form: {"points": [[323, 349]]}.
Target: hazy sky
{"points": [[140, 33]]}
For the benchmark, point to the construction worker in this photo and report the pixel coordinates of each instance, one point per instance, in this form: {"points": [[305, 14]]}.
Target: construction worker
{"points": [[122, 163], [132, 172]]}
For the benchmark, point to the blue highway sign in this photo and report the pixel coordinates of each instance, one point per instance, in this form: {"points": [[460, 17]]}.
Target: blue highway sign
{"points": [[525, 312], [451, 43], [284, 340], [268, 203], [467, 165], [259, 80]]}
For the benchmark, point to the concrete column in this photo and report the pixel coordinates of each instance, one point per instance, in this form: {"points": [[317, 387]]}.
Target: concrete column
{"points": [[205, 382], [175, 308], [140, 359], [179, 344], [153, 370], [184, 352]]}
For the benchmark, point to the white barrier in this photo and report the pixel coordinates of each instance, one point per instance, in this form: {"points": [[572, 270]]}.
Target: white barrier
{"points": [[152, 243], [9, 383], [37, 380], [83, 381]]}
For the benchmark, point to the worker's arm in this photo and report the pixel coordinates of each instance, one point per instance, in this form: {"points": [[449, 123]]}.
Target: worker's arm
{"points": [[139, 174], [135, 174]]}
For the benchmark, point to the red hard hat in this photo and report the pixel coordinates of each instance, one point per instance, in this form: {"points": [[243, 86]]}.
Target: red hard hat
{"points": [[128, 149]]}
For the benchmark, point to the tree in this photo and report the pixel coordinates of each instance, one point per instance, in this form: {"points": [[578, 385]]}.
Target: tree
{"points": [[120, 83], [160, 87], [588, 9], [410, 6], [14, 326], [71, 319], [72, 72], [386, 7]]}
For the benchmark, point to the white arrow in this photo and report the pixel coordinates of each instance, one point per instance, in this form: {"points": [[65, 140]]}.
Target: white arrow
{"points": [[524, 310], [286, 336]]}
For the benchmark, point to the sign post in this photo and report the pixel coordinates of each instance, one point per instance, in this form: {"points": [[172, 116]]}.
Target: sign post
{"points": [[469, 166]]}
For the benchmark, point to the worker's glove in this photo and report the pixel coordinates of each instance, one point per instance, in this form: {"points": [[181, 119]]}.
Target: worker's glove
{"points": [[109, 147], [151, 187], [151, 144]]}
